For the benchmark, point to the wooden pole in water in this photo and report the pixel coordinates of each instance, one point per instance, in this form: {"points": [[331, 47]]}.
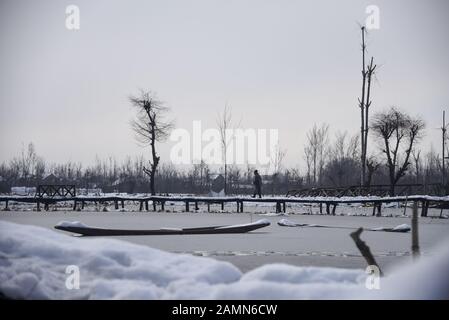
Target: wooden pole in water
{"points": [[415, 239]]}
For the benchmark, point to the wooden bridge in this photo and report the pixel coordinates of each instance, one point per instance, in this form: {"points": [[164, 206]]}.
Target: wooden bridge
{"points": [[329, 204], [380, 190]]}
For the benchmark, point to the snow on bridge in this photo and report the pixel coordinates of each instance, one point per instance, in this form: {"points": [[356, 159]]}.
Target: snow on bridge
{"points": [[330, 203]]}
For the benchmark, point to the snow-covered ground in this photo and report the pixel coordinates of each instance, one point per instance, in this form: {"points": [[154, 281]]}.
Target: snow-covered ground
{"points": [[38, 263]]}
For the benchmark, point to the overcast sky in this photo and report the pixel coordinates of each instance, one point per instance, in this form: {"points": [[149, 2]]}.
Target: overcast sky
{"points": [[278, 64]]}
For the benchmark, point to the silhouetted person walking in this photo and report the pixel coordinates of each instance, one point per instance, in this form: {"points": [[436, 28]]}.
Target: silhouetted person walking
{"points": [[257, 184]]}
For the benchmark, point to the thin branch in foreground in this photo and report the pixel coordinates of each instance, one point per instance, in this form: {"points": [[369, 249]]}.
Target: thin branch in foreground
{"points": [[364, 249]]}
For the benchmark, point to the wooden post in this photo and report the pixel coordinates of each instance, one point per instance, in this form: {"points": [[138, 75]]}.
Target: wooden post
{"points": [[405, 205], [424, 208], [208, 206], [196, 206], [154, 206], [141, 205], [116, 204], [415, 239], [278, 207], [187, 206], [163, 205], [283, 207], [146, 205], [378, 206], [321, 207], [82, 204], [241, 206], [6, 205], [333, 209], [123, 204], [328, 208], [46, 206], [74, 205], [222, 206]]}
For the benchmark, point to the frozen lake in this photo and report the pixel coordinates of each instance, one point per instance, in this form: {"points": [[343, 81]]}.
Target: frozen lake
{"points": [[296, 246]]}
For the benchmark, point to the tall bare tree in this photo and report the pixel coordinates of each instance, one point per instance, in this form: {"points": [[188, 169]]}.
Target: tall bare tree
{"points": [[224, 124], [364, 105], [150, 127], [277, 159], [398, 133]]}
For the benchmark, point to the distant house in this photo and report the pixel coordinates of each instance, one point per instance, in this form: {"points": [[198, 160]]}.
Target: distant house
{"points": [[51, 179], [4, 188], [217, 186]]}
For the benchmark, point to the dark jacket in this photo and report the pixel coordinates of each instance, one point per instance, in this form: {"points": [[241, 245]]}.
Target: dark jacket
{"points": [[257, 180]]}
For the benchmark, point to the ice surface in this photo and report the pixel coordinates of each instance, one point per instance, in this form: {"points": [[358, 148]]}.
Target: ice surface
{"points": [[34, 260]]}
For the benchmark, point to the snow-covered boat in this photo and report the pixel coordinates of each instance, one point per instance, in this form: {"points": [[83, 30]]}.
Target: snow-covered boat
{"points": [[85, 230]]}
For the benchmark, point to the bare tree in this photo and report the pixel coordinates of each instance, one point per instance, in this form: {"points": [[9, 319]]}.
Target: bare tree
{"points": [[150, 127], [342, 165], [315, 150], [277, 159], [364, 105], [276, 164], [417, 163], [398, 133], [224, 123], [308, 156], [372, 165]]}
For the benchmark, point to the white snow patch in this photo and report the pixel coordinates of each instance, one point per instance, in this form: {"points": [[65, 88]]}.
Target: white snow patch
{"points": [[287, 223], [76, 224], [402, 227], [33, 261]]}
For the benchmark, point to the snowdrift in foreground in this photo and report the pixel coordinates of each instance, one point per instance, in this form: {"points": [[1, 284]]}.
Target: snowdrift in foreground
{"points": [[33, 264]]}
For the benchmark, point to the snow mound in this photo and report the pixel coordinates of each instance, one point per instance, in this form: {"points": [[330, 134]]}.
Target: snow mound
{"points": [[402, 227], [34, 261], [33, 264], [287, 223], [68, 224]]}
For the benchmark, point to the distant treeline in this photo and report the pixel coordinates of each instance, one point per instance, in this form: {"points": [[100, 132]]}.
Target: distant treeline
{"points": [[336, 165]]}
